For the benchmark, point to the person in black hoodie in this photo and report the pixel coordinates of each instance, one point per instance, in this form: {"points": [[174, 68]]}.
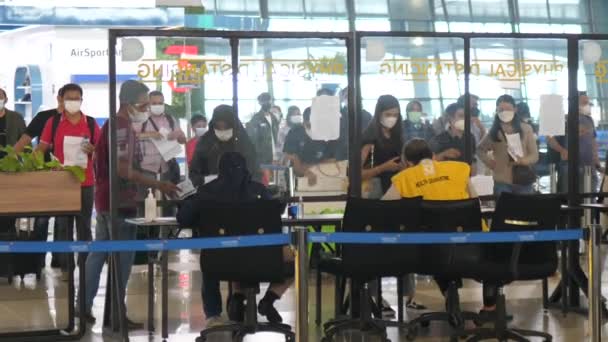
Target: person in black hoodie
{"points": [[234, 184], [226, 134]]}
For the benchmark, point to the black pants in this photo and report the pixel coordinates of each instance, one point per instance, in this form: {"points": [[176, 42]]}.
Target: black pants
{"points": [[83, 225]]}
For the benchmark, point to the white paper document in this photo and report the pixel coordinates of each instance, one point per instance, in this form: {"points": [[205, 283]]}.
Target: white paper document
{"points": [[73, 155], [325, 118], [483, 185], [168, 149], [210, 178], [515, 148], [185, 189], [552, 119]]}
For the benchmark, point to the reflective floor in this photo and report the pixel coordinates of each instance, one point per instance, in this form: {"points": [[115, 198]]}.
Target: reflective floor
{"points": [[32, 304]]}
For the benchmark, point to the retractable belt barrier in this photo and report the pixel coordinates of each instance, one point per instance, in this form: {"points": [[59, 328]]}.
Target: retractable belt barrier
{"points": [[284, 239]]}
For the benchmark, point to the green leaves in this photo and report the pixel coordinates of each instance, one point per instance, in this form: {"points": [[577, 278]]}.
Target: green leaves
{"points": [[29, 161]]}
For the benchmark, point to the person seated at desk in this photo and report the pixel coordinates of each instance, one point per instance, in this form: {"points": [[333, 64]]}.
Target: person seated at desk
{"points": [[303, 152], [430, 179], [233, 184], [226, 134]]}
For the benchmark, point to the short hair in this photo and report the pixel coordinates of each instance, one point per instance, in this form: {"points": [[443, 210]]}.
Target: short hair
{"points": [[3, 93], [157, 93], [462, 98], [416, 150], [71, 87], [264, 97], [306, 114], [131, 90], [452, 109], [279, 107], [197, 118], [60, 92], [325, 91], [523, 110], [582, 93], [505, 98]]}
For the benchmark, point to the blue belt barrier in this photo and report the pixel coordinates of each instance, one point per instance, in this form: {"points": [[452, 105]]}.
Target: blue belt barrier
{"points": [[285, 239], [447, 238], [144, 245]]}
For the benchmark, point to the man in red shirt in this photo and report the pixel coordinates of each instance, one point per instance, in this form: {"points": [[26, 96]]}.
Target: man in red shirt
{"points": [[199, 128], [72, 137]]}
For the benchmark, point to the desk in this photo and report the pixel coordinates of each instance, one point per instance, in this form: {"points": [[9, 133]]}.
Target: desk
{"points": [[167, 223]]}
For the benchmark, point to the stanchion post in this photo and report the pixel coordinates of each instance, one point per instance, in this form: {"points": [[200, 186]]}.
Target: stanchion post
{"points": [[595, 282], [553, 178], [301, 284]]}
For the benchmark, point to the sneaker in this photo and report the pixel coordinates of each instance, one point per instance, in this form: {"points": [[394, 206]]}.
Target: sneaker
{"points": [[134, 325], [215, 321], [415, 306], [236, 307], [387, 311], [88, 318]]}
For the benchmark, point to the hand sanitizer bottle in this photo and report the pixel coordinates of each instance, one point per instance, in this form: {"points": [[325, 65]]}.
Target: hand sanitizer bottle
{"points": [[150, 204]]}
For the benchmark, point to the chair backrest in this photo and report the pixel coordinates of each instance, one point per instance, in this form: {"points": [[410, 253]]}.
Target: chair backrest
{"points": [[517, 212], [377, 216], [244, 264], [450, 260]]}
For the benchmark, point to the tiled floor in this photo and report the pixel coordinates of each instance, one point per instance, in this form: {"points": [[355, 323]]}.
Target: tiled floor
{"points": [[41, 305]]}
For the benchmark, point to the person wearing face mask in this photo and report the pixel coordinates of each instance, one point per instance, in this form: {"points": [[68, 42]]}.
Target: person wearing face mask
{"points": [[450, 145], [293, 118], [263, 130], [199, 128], [477, 128], [58, 133], [159, 125], [587, 148], [226, 134], [12, 127], [303, 153], [133, 97], [416, 125], [507, 122]]}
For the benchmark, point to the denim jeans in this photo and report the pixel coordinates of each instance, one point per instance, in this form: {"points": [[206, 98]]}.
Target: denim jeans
{"points": [[96, 260], [212, 296]]}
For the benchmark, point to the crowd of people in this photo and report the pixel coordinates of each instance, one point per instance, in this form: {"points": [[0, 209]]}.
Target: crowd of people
{"points": [[225, 159]]}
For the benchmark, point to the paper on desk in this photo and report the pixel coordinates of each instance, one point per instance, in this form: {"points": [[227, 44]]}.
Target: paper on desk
{"points": [[514, 148], [552, 119], [168, 149], [483, 185], [73, 155], [185, 189]]}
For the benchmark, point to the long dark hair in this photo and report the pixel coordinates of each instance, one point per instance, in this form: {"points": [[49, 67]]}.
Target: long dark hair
{"points": [[373, 133], [516, 122]]}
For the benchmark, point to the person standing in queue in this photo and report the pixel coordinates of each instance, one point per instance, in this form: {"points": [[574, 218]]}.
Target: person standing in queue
{"points": [[198, 123], [226, 134], [34, 131], [263, 129], [134, 104], [58, 134], [450, 145]]}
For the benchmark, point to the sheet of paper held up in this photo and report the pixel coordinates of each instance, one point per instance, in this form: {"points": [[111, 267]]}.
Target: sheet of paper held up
{"points": [[374, 51], [185, 189], [168, 149], [325, 118], [515, 148], [210, 178], [483, 185], [73, 155], [552, 119]]}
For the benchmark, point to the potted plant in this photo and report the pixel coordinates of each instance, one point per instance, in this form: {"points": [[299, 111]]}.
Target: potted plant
{"points": [[29, 185]]}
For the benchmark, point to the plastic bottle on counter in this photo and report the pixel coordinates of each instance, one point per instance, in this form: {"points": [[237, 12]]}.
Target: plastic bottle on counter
{"points": [[150, 204]]}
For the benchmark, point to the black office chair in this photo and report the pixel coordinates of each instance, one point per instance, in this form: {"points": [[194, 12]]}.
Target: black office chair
{"points": [[247, 265], [364, 262], [449, 263], [508, 262]]}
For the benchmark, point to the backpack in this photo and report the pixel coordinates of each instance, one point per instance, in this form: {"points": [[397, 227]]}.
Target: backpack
{"points": [[173, 166], [57, 119]]}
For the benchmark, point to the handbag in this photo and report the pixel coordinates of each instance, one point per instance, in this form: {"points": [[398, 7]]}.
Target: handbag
{"points": [[372, 188], [522, 174]]}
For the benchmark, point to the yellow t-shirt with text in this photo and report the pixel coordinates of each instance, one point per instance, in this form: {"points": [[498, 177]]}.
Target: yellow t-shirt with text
{"points": [[433, 180]]}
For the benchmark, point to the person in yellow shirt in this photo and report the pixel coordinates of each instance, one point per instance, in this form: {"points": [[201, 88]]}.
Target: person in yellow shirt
{"points": [[430, 179]]}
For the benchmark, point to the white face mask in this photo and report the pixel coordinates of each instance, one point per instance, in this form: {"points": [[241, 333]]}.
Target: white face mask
{"points": [[585, 110], [157, 109], [224, 135], [459, 125], [2, 103], [506, 116], [200, 131], [138, 117], [72, 106], [296, 119], [388, 122]]}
